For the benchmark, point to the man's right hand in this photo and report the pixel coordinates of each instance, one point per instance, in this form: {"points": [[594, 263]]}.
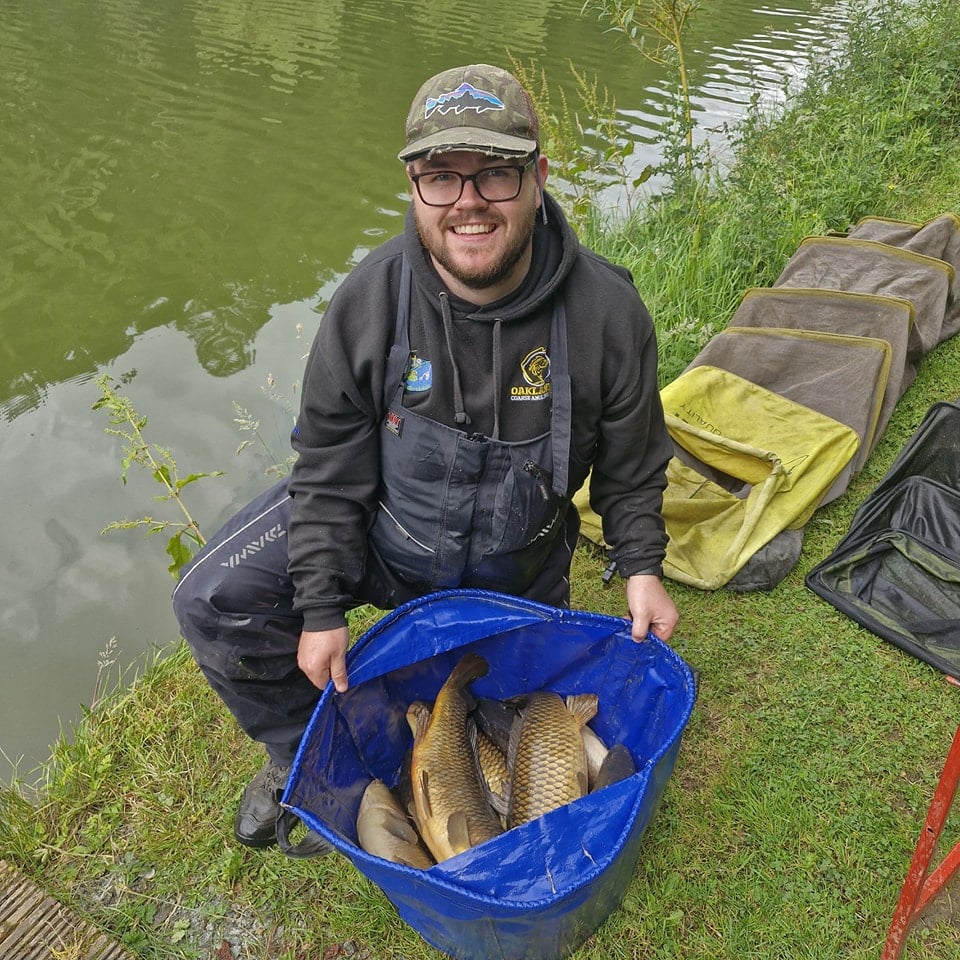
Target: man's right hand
{"points": [[322, 656]]}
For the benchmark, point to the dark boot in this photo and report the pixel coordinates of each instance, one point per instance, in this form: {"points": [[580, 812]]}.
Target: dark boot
{"points": [[256, 822]]}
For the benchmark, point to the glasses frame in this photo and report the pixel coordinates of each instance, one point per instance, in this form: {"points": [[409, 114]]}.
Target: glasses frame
{"points": [[472, 178]]}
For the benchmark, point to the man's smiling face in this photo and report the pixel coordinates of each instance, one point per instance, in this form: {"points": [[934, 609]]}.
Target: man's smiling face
{"points": [[482, 249]]}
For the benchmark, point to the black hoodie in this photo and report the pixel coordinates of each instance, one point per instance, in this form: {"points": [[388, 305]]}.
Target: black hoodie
{"points": [[617, 416]]}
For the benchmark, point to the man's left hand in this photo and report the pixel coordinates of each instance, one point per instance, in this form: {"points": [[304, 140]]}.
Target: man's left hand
{"points": [[651, 608]]}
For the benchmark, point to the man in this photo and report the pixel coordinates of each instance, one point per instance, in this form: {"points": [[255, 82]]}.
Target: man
{"points": [[465, 379]]}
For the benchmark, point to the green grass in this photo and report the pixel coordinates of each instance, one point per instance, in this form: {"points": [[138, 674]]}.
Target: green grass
{"points": [[814, 747]]}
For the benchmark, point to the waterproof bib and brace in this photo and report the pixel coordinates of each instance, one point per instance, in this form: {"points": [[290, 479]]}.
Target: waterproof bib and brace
{"points": [[459, 509]]}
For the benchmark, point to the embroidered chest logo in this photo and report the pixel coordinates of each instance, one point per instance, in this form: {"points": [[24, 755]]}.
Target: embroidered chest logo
{"points": [[535, 369], [419, 376]]}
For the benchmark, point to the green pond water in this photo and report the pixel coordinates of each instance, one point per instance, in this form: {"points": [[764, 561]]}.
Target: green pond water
{"points": [[182, 186]]}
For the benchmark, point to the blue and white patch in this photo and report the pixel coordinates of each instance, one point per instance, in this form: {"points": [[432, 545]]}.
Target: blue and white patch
{"points": [[465, 97], [419, 378]]}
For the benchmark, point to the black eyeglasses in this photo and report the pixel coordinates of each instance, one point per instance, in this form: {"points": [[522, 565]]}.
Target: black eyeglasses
{"points": [[443, 188]]}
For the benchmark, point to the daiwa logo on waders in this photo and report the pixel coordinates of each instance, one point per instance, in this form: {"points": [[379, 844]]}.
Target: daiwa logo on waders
{"points": [[255, 546]]}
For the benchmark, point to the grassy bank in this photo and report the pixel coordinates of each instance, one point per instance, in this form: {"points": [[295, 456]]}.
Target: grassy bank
{"points": [[814, 748]]}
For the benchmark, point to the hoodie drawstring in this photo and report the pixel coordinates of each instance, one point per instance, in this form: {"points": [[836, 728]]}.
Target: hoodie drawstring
{"points": [[497, 355], [536, 173], [459, 413]]}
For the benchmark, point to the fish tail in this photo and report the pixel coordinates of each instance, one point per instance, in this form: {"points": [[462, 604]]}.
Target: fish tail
{"points": [[471, 667]]}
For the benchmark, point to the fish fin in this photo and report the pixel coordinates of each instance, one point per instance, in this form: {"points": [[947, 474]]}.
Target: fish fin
{"points": [[500, 801], [495, 799], [495, 790], [473, 735], [423, 723], [513, 743], [582, 782], [401, 828], [617, 765], [458, 832], [418, 712], [425, 794], [583, 706], [517, 702], [404, 788], [418, 858]]}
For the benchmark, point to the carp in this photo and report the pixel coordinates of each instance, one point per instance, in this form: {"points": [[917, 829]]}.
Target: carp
{"points": [[452, 812], [383, 829], [547, 754]]}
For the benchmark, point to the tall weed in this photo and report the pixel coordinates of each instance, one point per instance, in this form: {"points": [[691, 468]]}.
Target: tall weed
{"points": [[872, 125]]}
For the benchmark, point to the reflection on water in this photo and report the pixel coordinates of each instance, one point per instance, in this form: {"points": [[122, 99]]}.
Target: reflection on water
{"points": [[183, 186]]}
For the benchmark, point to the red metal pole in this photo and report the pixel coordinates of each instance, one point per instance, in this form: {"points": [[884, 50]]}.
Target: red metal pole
{"points": [[917, 890]]}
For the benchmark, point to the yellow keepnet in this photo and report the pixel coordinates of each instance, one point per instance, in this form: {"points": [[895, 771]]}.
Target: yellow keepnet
{"points": [[732, 487]]}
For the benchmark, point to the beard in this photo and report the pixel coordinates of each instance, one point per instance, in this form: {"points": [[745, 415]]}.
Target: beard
{"points": [[480, 277]]}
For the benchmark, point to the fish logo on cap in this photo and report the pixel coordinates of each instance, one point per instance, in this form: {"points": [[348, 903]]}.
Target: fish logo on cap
{"points": [[478, 107], [465, 97]]}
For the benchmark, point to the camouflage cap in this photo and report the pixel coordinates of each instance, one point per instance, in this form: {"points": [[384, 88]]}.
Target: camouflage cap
{"points": [[477, 107]]}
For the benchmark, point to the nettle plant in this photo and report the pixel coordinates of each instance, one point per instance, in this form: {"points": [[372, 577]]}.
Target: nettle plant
{"points": [[128, 425]]}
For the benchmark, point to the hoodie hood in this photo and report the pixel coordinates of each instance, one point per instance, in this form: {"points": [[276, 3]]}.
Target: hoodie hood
{"points": [[555, 250]]}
